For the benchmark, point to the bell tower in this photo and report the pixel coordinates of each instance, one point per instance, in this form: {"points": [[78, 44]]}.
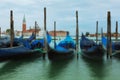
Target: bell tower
{"points": [[24, 25]]}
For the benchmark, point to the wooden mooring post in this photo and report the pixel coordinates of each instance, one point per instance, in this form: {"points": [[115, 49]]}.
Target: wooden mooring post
{"points": [[11, 29], [77, 35], [45, 42], [101, 33], [109, 43], [35, 29], [54, 34], [96, 31], [116, 37]]}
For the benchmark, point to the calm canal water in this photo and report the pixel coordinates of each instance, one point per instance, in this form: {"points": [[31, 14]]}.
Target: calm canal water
{"points": [[74, 69], [39, 69]]}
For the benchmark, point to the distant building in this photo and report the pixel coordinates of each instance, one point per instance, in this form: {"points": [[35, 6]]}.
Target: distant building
{"points": [[105, 34], [18, 33], [58, 33], [27, 32], [3, 32], [94, 35]]}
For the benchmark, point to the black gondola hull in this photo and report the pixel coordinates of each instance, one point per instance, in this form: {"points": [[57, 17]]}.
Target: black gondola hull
{"points": [[60, 55]]}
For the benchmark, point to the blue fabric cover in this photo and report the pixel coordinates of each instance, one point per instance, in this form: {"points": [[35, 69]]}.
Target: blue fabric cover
{"points": [[41, 41], [61, 49], [115, 45], [85, 42], [68, 42]]}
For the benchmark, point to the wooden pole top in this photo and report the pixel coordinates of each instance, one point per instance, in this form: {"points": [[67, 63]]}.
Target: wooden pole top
{"points": [[77, 34], [116, 30], [45, 18], [109, 46], [96, 31], [11, 28], [35, 29], [54, 34]]}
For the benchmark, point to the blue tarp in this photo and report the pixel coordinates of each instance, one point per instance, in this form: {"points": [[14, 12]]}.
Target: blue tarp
{"points": [[86, 42], [68, 42], [31, 37], [59, 48], [25, 42], [41, 41], [104, 42]]}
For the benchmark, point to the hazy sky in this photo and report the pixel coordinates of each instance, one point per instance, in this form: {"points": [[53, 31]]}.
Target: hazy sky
{"points": [[61, 11]]}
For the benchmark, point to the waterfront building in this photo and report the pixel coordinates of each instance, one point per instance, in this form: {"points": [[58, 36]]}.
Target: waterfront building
{"points": [[27, 32], [58, 33]]}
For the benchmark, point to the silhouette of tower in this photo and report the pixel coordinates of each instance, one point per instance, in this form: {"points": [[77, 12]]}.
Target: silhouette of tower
{"points": [[24, 25]]}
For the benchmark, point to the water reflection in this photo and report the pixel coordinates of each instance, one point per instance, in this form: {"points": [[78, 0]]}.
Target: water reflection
{"points": [[56, 69], [12, 65], [97, 69]]}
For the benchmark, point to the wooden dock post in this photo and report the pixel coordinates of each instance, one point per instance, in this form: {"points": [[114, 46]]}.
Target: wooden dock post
{"points": [[35, 29], [45, 42], [96, 32], [116, 37], [101, 32], [109, 43], [54, 34], [77, 35], [11, 28]]}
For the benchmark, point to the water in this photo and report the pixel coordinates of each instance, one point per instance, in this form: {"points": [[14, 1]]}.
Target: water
{"points": [[74, 69], [39, 69]]}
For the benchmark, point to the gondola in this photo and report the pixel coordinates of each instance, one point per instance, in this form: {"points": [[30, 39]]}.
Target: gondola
{"points": [[115, 47], [4, 40], [62, 51], [21, 48], [18, 51], [90, 49], [68, 42]]}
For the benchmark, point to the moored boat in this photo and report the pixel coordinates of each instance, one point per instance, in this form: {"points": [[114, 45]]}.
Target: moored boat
{"points": [[60, 53], [68, 42], [90, 49], [63, 51], [115, 47], [18, 51], [21, 48]]}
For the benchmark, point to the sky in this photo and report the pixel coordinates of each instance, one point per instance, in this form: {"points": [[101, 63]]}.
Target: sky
{"points": [[61, 11]]}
